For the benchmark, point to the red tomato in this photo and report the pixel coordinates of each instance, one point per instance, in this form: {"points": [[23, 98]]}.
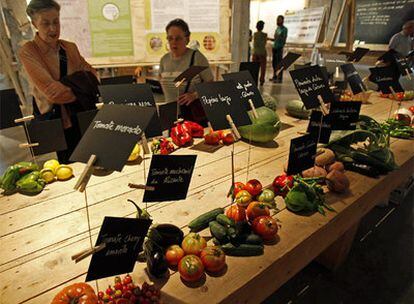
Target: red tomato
{"points": [[256, 209], [243, 198], [191, 268], [228, 139], [411, 109], [193, 243], [174, 254], [237, 213], [213, 258], [265, 226], [212, 138], [254, 187], [238, 186]]}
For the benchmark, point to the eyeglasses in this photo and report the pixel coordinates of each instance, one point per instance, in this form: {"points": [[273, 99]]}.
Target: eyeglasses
{"points": [[175, 38]]}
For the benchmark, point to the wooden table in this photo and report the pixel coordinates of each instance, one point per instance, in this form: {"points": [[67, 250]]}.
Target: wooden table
{"points": [[38, 235]]}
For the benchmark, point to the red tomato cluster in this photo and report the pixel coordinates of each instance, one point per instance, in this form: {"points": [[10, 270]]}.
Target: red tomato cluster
{"points": [[194, 256], [125, 291], [214, 138]]}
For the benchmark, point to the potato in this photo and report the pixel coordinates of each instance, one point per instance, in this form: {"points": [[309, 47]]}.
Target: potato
{"points": [[337, 181], [336, 166], [326, 158], [314, 172]]}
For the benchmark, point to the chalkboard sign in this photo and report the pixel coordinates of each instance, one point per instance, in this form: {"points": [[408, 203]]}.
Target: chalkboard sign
{"points": [[139, 95], [353, 78], [301, 154], [385, 78], [49, 134], [85, 118], [378, 20], [253, 68], [220, 99], [311, 82], [356, 55], [9, 108], [288, 60], [123, 238], [190, 73], [112, 135], [118, 80], [344, 115], [247, 88], [170, 175], [168, 115], [323, 133]]}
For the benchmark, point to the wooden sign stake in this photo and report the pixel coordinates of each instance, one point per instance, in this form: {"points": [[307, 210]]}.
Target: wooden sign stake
{"points": [[144, 143], [408, 75], [362, 88], [323, 107], [85, 253], [255, 115], [178, 83], [233, 127], [210, 127], [143, 187], [27, 145], [24, 119], [86, 174]]}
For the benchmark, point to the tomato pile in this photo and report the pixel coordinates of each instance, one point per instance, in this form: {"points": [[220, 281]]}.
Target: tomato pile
{"points": [[214, 138], [125, 291]]}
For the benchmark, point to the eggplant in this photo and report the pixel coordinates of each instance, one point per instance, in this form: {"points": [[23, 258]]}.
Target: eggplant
{"points": [[167, 235], [362, 169], [157, 264]]}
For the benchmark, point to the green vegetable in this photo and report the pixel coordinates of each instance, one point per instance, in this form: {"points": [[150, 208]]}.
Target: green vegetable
{"points": [[296, 108], [225, 221], [253, 239], [201, 222], [216, 242], [397, 128], [30, 184], [242, 250], [267, 196], [270, 101], [264, 128], [14, 173], [218, 231]]}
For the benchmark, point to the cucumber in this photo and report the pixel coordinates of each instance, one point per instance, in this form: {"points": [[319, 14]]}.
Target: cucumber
{"points": [[231, 232], [296, 108], [201, 221], [225, 221], [254, 239], [218, 231], [217, 242], [242, 250]]}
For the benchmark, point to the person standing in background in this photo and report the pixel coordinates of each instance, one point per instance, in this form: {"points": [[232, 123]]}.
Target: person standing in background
{"points": [[403, 42], [249, 49], [279, 42], [259, 49]]}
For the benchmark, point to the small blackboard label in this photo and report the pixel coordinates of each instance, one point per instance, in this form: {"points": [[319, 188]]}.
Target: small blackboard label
{"points": [[358, 54], [139, 95], [85, 118], [170, 175], [247, 88], [301, 154], [323, 133], [403, 65], [310, 82], [253, 68], [9, 108], [352, 76], [123, 238], [49, 134], [344, 115], [168, 114], [220, 99], [385, 78], [112, 135], [288, 60], [190, 73]]}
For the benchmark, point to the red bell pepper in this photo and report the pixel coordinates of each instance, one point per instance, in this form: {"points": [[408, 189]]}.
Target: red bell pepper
{"points": [[282, 184], [196, 130], [181, 134]]}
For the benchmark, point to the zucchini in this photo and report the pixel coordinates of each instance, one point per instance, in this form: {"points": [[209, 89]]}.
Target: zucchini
{"points": [[231, 232], [201, 221], [242, 250], [225, 221], [254, 239], [218, 231]]}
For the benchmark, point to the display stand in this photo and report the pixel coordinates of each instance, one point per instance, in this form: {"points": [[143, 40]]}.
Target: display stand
{"points": [[29, 144]]}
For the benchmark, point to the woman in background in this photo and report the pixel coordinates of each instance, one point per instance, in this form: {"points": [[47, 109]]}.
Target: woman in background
{"points": [[179, 59], [259, 49]]}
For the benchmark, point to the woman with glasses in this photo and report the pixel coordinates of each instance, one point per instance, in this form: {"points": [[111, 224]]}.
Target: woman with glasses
{"points": [[180, 58]]}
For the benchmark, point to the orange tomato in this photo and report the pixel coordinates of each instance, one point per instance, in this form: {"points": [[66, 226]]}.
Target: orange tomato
{"points": [[174, 254]]}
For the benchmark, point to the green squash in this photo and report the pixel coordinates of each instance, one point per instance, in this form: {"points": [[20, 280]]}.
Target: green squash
{"points": [[296, 108], [264, 129]]}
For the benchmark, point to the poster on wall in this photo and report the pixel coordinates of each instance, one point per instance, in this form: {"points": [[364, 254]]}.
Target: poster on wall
{"points": [[304, 25]]}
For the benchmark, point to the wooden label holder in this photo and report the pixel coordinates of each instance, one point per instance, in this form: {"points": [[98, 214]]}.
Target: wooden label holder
{"points": [[253, 109], [139, 186], [233, 127], [87, 252], [144, 143], [28, 144], [408, 74], [86, 174]]}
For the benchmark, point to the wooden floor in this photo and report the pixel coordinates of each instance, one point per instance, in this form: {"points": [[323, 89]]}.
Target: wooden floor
{"points": [[39, 234]]}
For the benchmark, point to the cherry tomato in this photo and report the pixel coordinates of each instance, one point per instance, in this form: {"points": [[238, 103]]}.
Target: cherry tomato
{"points": [[213, 258], [256, 209], [243, 198], [282, 184], [109, 290], [238, 186], [265, 226], [193, 243], [174, 254], [212, 138], [228, 139], [411, 109], [118, 286], [191, 268], [254, 187], [127, 279], [237, 213]]}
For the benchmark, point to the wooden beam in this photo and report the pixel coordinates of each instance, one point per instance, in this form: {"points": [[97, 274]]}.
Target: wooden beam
{"points": [[338, 23], [240, 17], [350, 37]]}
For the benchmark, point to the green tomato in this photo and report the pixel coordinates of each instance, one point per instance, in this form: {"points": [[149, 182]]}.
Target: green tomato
{"points": [[267, 196]]}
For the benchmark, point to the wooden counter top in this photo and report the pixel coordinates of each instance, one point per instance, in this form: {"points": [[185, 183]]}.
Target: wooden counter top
{"points": [[39, 234]]}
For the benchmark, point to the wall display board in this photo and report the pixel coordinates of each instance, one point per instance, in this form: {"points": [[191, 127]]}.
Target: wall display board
{"points": [[304, 25], [133, 31], [378, 20]]}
